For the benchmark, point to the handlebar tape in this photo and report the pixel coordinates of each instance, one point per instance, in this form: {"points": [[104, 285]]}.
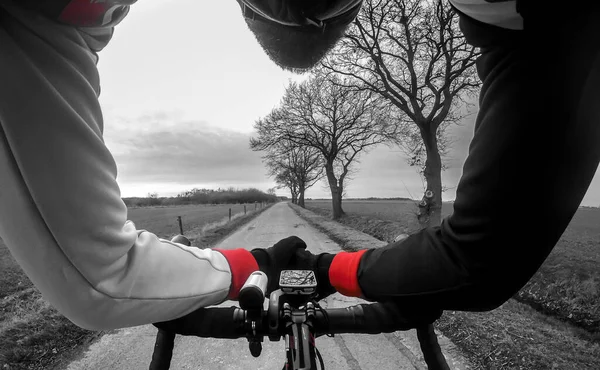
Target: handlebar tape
{"points": [[372, 318], [381, 318], [163, 350], [214, 322], [432, 353]]}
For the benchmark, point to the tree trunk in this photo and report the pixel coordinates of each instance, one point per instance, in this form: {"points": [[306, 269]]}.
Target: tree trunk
{"points": [[430, 208], [301, 197], [294, 198], [336, 202], [336, 192]]}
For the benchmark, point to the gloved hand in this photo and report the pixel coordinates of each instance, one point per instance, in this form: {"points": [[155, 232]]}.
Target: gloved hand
{"points": [[279, 257], [320, 264]]}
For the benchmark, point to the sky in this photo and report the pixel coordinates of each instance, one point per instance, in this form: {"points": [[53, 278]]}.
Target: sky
{"points": [[181, 90]]}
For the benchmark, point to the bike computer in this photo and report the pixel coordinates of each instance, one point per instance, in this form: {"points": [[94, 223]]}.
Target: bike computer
{"points": [[298, 282]]}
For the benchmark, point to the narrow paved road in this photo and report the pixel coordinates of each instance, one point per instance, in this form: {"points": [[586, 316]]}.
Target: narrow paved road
{"points": [[132, 348]]}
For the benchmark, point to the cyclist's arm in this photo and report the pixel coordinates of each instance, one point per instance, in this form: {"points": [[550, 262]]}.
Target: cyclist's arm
{"points": [[532, 158], [60, 208]]}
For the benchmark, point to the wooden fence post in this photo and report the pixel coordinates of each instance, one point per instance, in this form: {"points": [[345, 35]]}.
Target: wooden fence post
{"points": [[229, 214], [244, 209], [180, 225]]}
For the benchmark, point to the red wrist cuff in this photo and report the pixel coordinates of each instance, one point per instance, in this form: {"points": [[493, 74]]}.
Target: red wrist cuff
{"points": [[343, 273], [242, 264]]}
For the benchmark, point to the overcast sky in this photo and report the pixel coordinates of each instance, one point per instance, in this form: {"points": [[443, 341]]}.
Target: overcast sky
{"points": [[181, 89]]}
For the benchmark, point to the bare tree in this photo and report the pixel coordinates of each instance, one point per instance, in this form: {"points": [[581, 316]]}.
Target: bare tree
{"points": [[286, 179], [339, 122], [295, 167], [412, 53]]}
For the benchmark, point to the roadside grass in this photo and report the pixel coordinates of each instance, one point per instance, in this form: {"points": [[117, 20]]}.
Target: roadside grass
{"points": [[568, 283], [12, 278], [34, 336], [212, 233], [517, 336]]}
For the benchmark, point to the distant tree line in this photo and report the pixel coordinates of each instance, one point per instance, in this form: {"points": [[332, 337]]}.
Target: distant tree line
{"points": [[205, 196]]}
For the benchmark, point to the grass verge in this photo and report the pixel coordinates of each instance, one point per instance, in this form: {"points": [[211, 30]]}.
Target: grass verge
{"points": [[212, 234], [513, 336], [34, 336]]}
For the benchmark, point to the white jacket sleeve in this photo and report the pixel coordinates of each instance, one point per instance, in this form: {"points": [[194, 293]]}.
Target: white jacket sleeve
{"points": [[61, 214]]}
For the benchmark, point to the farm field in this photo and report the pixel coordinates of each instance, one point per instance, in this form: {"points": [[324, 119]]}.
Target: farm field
{"points": [[162, 221], [399, 211], [566, 286], [33, 334]]}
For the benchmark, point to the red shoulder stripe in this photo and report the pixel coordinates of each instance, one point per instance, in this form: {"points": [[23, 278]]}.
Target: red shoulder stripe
{"points": [[84, 13]]}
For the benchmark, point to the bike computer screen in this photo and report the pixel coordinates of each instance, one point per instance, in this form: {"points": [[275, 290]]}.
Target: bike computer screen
{"points": [[298, 281]]}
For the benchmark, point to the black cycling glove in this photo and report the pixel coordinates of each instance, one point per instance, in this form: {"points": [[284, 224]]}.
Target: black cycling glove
{"points": [[279, 257], [320, 264]]}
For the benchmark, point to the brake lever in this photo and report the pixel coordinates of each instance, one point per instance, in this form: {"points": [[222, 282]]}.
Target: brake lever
{"points": [[273, 316], [251, 298]]}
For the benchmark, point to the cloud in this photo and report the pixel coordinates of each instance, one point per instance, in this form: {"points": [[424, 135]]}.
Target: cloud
{"points": [[162, 148]]}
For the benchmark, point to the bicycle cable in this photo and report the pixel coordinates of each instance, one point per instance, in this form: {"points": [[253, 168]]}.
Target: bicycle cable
{"points": [[325, 315], [321, 362]]}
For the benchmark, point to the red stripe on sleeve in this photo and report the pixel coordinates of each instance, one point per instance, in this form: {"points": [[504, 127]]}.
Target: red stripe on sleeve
{"points": [[83, 13], [242, 264], [343, 273]]}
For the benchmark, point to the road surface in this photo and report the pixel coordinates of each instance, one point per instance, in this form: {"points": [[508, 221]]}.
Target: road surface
{"points": [[131, 348]]}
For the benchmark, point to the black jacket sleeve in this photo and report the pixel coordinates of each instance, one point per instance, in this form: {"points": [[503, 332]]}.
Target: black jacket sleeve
{"points": [[535, 149]]}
